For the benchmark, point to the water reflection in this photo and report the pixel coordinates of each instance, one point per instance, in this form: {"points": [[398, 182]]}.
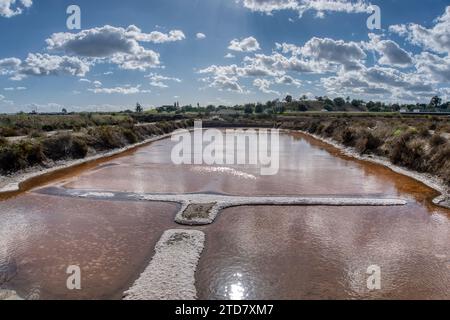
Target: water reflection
{"points": [[236, 290]]}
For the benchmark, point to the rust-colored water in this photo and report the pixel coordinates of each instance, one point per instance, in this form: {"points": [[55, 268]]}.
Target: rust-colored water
{"points": [[251, 252], [324, 253]]}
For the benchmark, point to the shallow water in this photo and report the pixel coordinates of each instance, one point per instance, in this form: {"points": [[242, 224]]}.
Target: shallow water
{"points": [[251, 252]]}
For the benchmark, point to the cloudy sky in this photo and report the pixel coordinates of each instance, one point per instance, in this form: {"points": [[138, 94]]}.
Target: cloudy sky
{"points": [[219, 51]]}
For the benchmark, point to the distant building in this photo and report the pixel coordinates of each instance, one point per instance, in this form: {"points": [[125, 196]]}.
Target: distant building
{"points": [[416, 111], [279, 104], [224, 112]]}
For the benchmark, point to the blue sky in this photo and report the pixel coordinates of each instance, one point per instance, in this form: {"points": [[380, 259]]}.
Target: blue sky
{"points": [[159, 52]]}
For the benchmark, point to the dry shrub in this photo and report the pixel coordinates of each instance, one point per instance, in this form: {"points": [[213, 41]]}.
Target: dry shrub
{"points": [[57, 147], [3, 141], [437, 140], [367, 142], [408, 150], [18, 156], [349, 136], [79, 148]]}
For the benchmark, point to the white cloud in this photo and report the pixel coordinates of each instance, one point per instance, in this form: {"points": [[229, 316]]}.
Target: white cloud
{"points": [[346, 62], [142, 60], [9, 65], [107, 41], [117, 45], [10, 8], [347, 54], [229, 56], [380, 81], [15, 89], [301, 6], [436, 39], [37, 64], [154, 36], [223, 78], [119, 90], [264, 86], [226, 83], [390, 51], [245, 45], [288, 80], [200, 36], [157, 80], [437, 68]]}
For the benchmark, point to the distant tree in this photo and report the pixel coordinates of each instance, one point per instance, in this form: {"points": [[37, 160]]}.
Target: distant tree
{"points": [[139, 108], [320, 99], [395, 107], [288, 99], [371, 106], [348, 99], [435, 102], [339, 102], [328, 102], [328, 107], [248, 109], [259, 108], [211, 108], [304, 97], [280, 108], [302, 107], [379, 106], [270, 104], [64, 111], [356, 103]]}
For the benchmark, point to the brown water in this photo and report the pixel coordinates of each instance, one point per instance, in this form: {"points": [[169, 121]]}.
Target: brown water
{"points": [[251, 252]]}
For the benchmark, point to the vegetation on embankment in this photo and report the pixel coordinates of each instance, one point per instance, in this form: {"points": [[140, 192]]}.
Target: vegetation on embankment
{"points": [[421, 144], [38, 124], [45, 150]]}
